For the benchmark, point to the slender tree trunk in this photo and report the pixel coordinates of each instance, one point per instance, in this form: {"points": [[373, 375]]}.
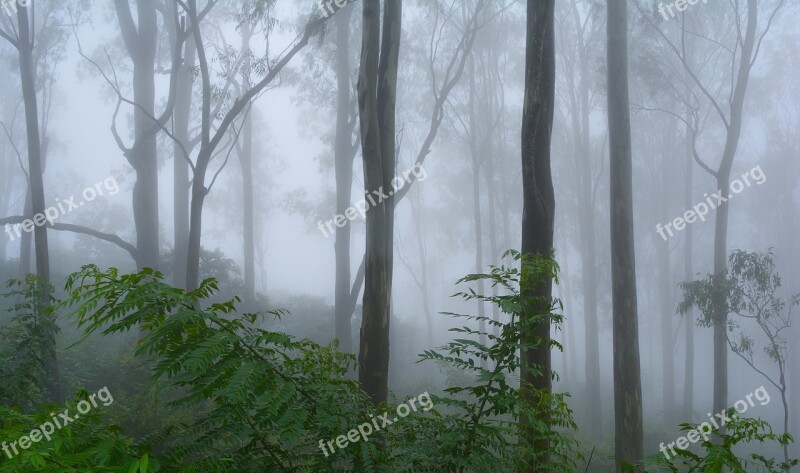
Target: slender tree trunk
{"points": [[344, 153], [688, 369], [246, 162], [183, 111], [538, 211], [721, 222], [417, 212], [475, 152], [493, 246], [36, 186], [586, 225], [627, 377], [26, 239], [667, 312]]}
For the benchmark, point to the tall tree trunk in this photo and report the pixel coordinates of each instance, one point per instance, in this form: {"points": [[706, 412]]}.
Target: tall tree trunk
{"points": [[475, 152], [723, 176], [688, 369], [36, 186], [344, 153], [581, 126], [210, 140], [140, 40], [627, 377], [246, 162], [538, 210], [183, 112], [377, 88], [493, 245], [665, 288], [667, 313]]}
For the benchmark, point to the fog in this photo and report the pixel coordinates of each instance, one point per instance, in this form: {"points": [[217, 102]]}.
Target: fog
{"points": [[339, 181]]}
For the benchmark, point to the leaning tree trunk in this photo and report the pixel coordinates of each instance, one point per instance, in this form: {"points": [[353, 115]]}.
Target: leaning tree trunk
{"points": [[627, 377], [377, 88], [538, 214]]}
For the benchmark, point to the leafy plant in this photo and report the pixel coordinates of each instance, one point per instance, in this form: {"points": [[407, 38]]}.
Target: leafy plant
{"points": [[86, 444], [750, 289], [481, 431], [719, 448], [27, 344], [262, 399]]}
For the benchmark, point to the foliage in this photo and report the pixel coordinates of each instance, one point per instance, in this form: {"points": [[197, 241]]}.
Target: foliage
{"points": [[27, 344], [719, 448], [263, 399], [482, 432], [85, 444]]}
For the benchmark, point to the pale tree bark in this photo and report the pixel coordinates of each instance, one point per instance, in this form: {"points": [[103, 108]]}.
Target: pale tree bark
{"points": [[538, 211], [344, 153], [688, 369], [664, 280], [24, 44], [246, 163], [377, 91], [210, 137], [748, 47], [586, 224], [183, 114], [628, 430], [140, 40]]}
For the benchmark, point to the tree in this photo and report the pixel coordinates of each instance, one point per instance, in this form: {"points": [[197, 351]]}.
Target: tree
{"points": [[24, 44], [750, 289], [627, 377], [345, 150], [575, 51], [538, 211], [742, 56], [211, 137], [377, 88]]}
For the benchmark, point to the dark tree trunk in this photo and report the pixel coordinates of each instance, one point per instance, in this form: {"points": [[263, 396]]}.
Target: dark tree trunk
{"points": [[538, 206], [627, 377], [377, 87]]}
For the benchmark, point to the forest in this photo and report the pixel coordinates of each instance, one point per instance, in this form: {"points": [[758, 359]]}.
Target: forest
{"points": [[468, 236]]}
